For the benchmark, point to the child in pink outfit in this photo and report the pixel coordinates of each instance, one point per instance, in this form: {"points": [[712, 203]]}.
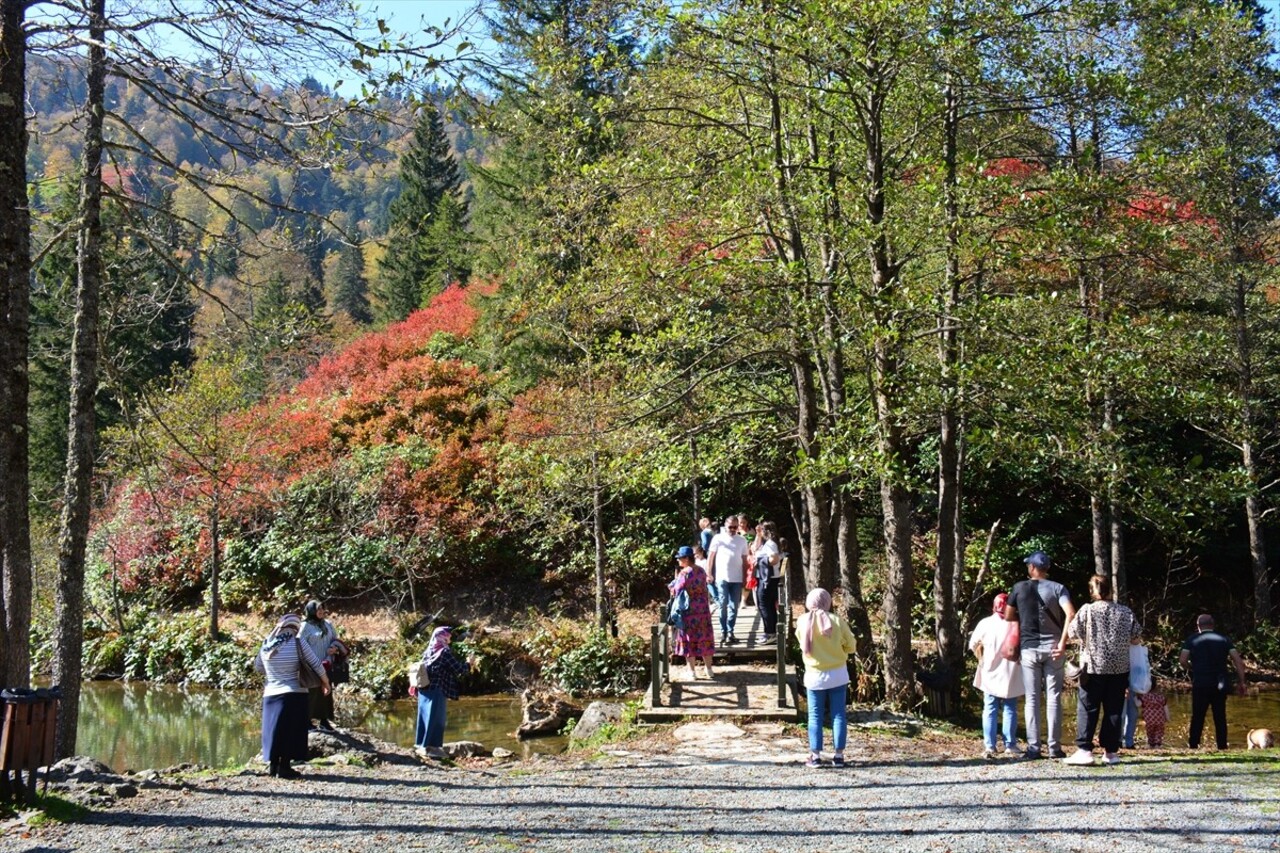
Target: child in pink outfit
{"points": [[1155, 713]]}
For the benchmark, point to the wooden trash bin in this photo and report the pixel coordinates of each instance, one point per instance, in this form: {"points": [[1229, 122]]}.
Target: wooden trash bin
{"points": [[30, 723], [939, 693]]}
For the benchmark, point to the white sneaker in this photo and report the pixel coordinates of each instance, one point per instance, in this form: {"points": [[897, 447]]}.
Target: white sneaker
{"points": [[1111, 758], [1081, 757]]}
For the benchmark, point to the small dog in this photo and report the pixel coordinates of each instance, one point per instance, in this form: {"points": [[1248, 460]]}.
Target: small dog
{"points": [[1261, 739]]}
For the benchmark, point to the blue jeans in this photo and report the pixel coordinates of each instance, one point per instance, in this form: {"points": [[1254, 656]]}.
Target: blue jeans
{"points": [[1040, 672], [992, 706], [1130, 719], [713, 592], [821, 703], [430, 728], [730, 595]]}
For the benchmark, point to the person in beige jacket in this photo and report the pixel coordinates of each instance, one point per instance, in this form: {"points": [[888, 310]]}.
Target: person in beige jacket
{"points": [[999, 678]]}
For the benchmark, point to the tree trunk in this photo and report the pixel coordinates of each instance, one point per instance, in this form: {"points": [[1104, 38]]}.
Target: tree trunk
{"points": [[946, 624], [866, 672], [597, 535], [73, 530], [1262, 604], [818, 556], [899, 668], [215, 563], [1101, 535], [15, 275], [895, 503], [694, 488], [1119, 574], [1257, 540]]}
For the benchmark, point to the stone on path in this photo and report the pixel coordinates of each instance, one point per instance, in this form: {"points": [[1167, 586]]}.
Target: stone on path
{"points": [[596, 715], [707, 731], [465, 749]]}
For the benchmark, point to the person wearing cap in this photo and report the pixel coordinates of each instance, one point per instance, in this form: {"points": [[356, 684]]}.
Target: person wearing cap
{"points": [[1206, 653], [999, 679], [727, 558], [1043, 610], [444, 670], [693, 638], [284, 699]]}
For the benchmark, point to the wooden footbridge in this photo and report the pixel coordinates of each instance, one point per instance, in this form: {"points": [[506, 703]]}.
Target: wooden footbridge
{"points": [[753, 679]]}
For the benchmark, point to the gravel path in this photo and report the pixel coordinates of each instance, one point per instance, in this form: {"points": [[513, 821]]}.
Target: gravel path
{"points": [[679, 791]]}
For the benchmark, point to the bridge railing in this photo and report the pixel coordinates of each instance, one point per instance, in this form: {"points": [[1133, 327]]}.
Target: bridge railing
{"points": [[659, 655], [783, 634]]}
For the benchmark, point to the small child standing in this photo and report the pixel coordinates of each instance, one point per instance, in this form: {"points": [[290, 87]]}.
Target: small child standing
{"points": [[1155, 713]]}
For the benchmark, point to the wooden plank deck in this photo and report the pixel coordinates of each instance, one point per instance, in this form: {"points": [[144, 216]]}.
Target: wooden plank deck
{"points": [[745, 685]]}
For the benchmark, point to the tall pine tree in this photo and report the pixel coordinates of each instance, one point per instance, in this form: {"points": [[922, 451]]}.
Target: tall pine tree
{"points": [[350, 290], [421, 255]]}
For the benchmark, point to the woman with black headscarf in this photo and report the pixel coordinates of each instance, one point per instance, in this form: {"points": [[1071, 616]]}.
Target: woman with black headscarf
{"points": [[319, 634], [282, 659]]}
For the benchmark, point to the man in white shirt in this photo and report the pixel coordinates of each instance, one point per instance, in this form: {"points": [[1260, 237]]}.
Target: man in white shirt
{"points": [[728, 558]]}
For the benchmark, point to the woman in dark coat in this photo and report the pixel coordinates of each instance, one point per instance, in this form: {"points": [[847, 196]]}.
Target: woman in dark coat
{"points": [[284, 700]]}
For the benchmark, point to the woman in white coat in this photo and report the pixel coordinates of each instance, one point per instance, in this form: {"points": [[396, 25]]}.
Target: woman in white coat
{"points": [[999, 679]]}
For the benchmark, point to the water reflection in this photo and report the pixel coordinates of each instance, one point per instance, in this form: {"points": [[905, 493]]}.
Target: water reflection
{"points": [[140, 725], [1255, 711], [132, 726], [487, 719]]}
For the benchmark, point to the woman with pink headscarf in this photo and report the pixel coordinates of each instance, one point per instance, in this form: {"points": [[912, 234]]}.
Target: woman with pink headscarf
{"points": [[999, 679], [445, 669], [825, 644]]}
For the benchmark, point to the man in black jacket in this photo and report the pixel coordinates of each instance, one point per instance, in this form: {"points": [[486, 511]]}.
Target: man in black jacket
{"points": [[1206, 652]]}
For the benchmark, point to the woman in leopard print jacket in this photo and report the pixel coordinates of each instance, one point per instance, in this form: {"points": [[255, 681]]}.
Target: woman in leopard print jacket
{"points": [[1105, 630]]}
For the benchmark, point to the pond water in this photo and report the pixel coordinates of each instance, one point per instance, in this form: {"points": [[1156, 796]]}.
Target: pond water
{"points": [[132, 726], [1254, 711]]}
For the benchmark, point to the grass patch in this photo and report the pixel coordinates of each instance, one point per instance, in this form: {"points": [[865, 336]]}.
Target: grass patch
{"points": [[54, 809], [1263, 759]]}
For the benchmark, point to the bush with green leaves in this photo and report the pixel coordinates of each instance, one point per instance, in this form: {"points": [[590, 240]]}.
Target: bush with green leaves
{"points": [[1262, 647], [585, 662], [176, 648]]}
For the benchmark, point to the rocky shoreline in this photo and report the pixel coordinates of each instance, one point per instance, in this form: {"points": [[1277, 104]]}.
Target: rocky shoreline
{"points": [[696, 786]]}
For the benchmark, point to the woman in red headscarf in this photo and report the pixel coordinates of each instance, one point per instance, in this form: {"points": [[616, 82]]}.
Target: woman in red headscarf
{"points": [[999, 679]]}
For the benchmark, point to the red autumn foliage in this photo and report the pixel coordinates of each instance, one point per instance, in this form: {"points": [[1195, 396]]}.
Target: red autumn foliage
{"points": [[1013, 168], [384, 390]]}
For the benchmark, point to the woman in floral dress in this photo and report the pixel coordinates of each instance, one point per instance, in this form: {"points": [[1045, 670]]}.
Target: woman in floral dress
{"points": [[693, 637]]}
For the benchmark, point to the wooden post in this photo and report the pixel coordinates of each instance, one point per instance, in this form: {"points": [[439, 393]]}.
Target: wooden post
{"points": [[655, 666], [782, 634]]}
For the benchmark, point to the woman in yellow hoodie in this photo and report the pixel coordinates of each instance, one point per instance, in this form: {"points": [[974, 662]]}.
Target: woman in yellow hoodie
{"points": [[826, 643]]}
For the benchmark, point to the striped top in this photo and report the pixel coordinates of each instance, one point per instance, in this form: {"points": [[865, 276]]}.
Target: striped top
{"points": [[281, 669]]}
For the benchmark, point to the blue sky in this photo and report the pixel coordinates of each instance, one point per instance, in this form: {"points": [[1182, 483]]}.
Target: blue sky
{"points": [[409, 16]]}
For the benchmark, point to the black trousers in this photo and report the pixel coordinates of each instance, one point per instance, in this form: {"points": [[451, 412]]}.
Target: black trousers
{"points": [[769, 604], [1202, 699], [320, 706], [1101, 697]]}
